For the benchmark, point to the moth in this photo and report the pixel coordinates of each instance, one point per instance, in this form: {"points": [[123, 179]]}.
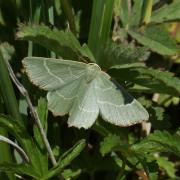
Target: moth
{"points": [[83, 91]]}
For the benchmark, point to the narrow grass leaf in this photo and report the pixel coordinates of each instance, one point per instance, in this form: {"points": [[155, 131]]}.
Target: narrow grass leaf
{"points": [[100, 24]]}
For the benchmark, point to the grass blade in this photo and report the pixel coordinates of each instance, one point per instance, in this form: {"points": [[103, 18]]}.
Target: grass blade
{"points": [[100, 24]]}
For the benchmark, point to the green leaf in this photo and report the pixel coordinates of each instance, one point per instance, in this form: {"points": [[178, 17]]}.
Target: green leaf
{"points": [[83, 91], [117, 6], [109, 143], [158, 118], [157, 39], [136, 13], [151, 168], [167, 100], [104, 129], [34, 154], [116, 54], [17, 131], [63, 43], [19, 149], [156, 80], [7, 154], [71, 154], [6, 86], [43, 113], [66, 159], [68, 173], [125, 12], [167, 13], [100, 25], [8, 96], [128, 153], [22, 169], [167, 165], [159, 141], [115, 143], [146, 11], [7, 51]]}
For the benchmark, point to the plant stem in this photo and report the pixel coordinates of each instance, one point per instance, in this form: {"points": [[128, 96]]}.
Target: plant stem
{"points": [[147, 10], [68, 10], [34, 113]]}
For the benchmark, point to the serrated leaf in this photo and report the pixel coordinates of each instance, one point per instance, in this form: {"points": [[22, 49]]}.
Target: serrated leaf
{"points": [[167, 100], [63, 43], [22, 169], [158, 81], [115, 54], [150, 168], [167, 13], [158, 118], [128, 152], [34, 154], [159, 141], [156, 38], [83, 91], [109, 143], [167, 165]]}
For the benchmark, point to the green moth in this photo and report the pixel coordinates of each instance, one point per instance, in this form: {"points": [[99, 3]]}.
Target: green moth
{"points": [[83, 91]]}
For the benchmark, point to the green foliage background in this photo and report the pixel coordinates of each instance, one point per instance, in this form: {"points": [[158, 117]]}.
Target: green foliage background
{"points": [[137, 44]]}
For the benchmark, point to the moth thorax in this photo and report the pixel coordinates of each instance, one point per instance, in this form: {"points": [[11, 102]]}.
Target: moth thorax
{"points": [[92, 71]]}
